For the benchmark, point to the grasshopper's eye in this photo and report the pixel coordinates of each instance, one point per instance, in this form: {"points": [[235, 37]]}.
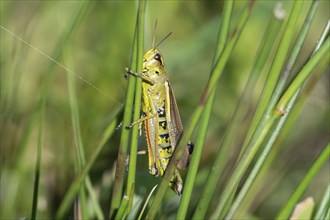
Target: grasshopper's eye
{"points": [[158, 57]]}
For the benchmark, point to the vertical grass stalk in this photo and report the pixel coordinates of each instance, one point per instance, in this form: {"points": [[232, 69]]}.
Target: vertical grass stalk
{"points": [[120, 165], [138, 93], [74, 188], [289, 206], [275, 71], [262, 130], [222, 155], [43, 98], [78, 144], [81, 158], [192, 171], [324, 205], [216, 73], [278, 89]]}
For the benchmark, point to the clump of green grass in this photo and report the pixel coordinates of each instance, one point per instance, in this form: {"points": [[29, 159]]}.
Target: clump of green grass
{"points": [[246, 161]]}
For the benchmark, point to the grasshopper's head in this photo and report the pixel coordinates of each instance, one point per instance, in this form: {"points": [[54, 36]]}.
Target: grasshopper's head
{"points": [[153, 63]]}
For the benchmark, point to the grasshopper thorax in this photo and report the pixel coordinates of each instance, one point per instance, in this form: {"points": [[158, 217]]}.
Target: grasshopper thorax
{"points": [[153, 64]]}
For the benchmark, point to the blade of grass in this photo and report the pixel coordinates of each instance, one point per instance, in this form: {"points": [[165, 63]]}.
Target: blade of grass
{"points": [[275, 71], [136, 63], [96, 206], [216, 73], [300, 79], [289, 206], [192, 172], [256, 140], [120, 164], [304, 209], [327, 215], [125, 203], [137, 100], [74, 188], [122, 208], [268, 121], [265, 127], [81, 158], [238, 116], [124, 139], [280, 86], [286, 130], [307, 89], [43, 98], [130, 202], [81, 210], [146, 202], [324, 205], [258, 165]]}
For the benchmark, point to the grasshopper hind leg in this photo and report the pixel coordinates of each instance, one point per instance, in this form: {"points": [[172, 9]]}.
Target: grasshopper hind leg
{"points": [[176, 183]]}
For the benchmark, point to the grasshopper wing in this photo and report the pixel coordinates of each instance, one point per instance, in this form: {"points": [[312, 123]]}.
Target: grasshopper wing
{"points": [[175, 124]]}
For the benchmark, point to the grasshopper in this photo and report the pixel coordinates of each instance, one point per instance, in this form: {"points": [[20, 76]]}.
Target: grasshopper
{"points": [[162, 123]]}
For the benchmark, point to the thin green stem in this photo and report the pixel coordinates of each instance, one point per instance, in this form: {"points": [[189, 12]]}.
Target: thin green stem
{"points": [[146, 202], [192, 172], [261, 132], [275, 71], [137, 101], [263, 127], [78, 144], [81, 158], [238, 116], [96, 206], [278, 89], [122, 208], [74, 188], [258, 164], [216, 73], [322, 53], [136, 64], [43, 98], [124, 139], [320, 161], [324, 205]]}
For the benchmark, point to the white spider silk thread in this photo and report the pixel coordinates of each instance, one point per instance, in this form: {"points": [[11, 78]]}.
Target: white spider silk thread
{"points": [[61, 65]]}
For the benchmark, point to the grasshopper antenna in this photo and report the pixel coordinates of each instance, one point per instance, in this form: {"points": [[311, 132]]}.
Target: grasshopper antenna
{"points": [[163, 39], [153, 38]]}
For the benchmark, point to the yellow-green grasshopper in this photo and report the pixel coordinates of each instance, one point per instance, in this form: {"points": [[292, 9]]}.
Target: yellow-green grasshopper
{"points": [[162, 123]]}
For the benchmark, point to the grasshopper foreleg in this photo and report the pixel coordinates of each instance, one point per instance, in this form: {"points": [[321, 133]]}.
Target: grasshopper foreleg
{"points": [[145, 78], [139, 121]]}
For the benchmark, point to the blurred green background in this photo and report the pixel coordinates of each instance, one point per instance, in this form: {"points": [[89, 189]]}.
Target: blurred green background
{"points": [[98, 52]]}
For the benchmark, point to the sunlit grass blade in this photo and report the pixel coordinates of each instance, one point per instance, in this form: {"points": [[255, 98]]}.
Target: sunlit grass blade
{"points": [[134, 87], [146, 202], [80, 202], [256, 168], [255, 142], [80, 161], [302, 76], [43, 98], [324, 205], [122, 208], [275, 71], [229, 136], [138, 60], [74, 188], [192, 172], [120, 165], [320, 161], [278, 89], [304, 209], [215, 75]]}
